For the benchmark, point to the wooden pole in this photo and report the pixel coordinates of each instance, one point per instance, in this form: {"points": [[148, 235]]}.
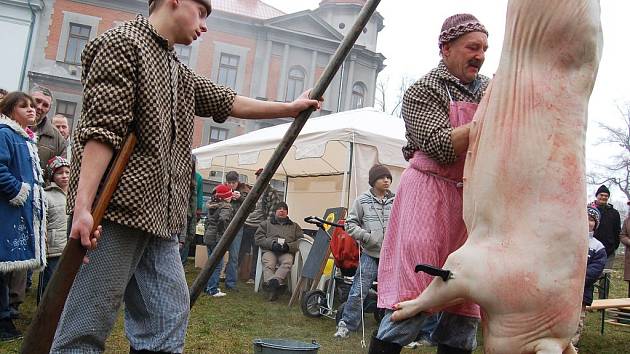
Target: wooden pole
{"points": [[282, 150], [40, 334]]}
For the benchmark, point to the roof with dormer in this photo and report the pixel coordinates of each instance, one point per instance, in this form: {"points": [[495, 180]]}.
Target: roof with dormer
{"points": [[247, 8]]}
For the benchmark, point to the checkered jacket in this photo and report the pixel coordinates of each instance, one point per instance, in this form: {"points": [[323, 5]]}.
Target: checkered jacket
{"points": [[425, 112], [133, 80], [265, 207]]}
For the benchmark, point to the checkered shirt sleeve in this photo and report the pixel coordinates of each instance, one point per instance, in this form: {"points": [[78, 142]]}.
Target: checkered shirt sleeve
{"points": [[427, 124], [109, 94], [212, 100], [272, 198]]}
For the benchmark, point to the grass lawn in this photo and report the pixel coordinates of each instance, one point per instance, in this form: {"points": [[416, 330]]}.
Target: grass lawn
{"points": [[231, 323]]}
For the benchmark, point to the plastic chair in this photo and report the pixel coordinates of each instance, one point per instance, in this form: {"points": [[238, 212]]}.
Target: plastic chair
{"points": [[304, 247]]}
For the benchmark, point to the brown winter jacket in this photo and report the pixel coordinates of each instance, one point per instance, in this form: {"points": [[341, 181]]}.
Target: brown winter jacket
{"points": [[50, 143], [271, 229], [133, 81]]}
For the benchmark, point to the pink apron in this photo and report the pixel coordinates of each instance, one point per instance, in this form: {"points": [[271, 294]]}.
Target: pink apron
{"points": [[426, 223]]}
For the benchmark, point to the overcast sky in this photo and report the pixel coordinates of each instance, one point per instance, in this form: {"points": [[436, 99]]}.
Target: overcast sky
{"points": [[409, 41]]}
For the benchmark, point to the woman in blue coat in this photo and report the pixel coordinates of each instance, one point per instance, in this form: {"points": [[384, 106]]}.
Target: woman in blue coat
{"points": [[22, 202]]}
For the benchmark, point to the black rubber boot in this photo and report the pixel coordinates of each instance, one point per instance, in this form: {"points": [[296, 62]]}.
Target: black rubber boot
{"points": [[445, 349], [378, 346]]}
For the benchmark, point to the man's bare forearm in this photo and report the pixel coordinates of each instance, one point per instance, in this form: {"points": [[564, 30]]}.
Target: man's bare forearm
{"points": [[249, 108], [96, 158]]}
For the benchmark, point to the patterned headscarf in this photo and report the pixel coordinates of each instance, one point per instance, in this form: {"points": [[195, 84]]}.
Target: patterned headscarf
{"points": [[457, 26], [54, 163]]}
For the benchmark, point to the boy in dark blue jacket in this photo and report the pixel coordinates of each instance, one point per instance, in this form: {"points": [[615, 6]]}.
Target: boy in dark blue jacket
{"points": [[595, 264]]}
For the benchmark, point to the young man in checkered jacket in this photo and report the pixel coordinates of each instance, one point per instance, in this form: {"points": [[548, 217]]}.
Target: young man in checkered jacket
{"points": [[134, 82]]}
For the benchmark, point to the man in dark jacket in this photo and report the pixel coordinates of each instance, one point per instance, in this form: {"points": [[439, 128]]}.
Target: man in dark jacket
{"points": [[278, 238], [610, 224], [265, 208], [50, 142]]}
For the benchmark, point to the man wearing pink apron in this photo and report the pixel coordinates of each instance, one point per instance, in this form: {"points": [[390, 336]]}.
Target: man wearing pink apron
{"points": [[426, 223]]}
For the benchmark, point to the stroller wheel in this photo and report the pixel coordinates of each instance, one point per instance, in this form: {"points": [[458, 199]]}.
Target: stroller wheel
{"points": [[339, 314], [312, 302]]}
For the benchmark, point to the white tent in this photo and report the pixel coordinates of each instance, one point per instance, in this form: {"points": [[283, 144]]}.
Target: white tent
{"points": [[328, 164]]}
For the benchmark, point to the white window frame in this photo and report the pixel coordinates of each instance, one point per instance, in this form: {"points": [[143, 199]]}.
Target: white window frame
{"points": [[226, 48], [229, 67], [206, 134], [296, 92], [79, 19], [76, 57], [184, 47], [354, 97]]}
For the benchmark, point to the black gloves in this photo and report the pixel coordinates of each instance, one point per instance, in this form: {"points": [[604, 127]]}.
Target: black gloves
{"points": [[278, 248]]}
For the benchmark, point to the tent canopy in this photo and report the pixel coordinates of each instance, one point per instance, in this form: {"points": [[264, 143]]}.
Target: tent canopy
{"points": [[320, 149], [328, 164]]}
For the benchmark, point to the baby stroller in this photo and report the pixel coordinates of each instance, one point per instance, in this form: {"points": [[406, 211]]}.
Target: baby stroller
{"points": [[321, 301]]}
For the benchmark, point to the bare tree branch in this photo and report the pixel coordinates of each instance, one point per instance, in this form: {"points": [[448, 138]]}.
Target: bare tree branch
{"points": [[381, 93], [616, 171]]}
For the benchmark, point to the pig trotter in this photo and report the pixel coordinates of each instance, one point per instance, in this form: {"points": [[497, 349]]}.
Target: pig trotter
{"points": [[436, 272]]}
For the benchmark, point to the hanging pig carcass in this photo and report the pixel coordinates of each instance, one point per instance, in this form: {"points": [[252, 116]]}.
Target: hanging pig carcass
{"points": [[524, 186]]}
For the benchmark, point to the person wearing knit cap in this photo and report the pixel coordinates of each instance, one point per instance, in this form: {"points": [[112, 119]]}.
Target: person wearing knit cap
{"points": [[609, 226], [58, 172], [438, 111], [220, 213], [240, 191], [377, 172], [134, 82], [595, 263], [367, 223], [278, 239]]}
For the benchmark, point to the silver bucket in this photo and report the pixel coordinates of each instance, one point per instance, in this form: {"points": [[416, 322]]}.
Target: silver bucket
{"points": [[284, 346]]}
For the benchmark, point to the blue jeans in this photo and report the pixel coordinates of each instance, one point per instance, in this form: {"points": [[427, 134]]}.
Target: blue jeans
{"points": [[429, 326], [213, 283], [45, 275], [453, 330], [352, 310], [231, 270]]}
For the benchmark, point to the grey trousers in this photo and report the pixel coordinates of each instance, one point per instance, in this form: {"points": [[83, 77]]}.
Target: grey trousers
{"points": [[140, 269]]}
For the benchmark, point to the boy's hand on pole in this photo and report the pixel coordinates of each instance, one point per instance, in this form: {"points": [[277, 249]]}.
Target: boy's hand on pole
{"points": [[304, 102]]}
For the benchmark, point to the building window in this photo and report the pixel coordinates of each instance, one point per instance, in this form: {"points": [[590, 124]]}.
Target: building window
{"points": [[358, 96], [295, 84], [183, 53], [78, 36], [228, 68], [67, 109], [216, 134]]}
